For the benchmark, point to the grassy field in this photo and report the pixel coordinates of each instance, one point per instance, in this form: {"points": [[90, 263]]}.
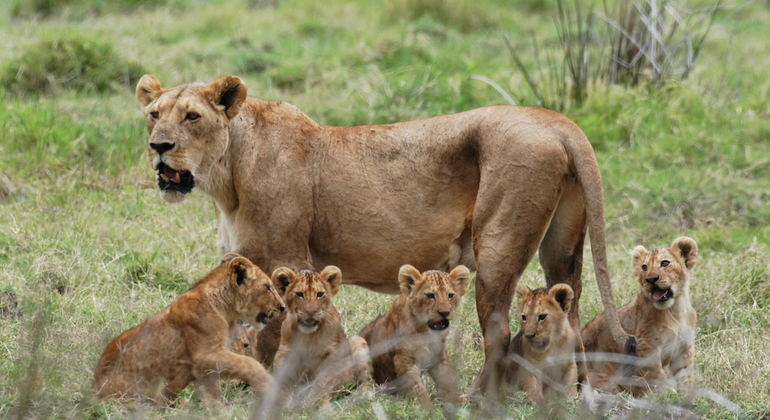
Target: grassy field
{"points": [[89, 249]]}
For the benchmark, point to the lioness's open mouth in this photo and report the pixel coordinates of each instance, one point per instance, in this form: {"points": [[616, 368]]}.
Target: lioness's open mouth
{"points": [[171, 179], [661, 295], [307, 323], [439, 325]]}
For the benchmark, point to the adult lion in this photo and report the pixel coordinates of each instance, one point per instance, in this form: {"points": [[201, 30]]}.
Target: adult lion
{"points": [[483, 188]]}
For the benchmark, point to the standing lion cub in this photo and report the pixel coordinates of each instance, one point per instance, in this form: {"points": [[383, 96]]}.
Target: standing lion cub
{"points": [[543, 352], [660, 317], [187, 341], [411, 337]]}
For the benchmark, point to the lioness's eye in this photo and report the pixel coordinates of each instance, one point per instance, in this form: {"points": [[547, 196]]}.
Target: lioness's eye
{"points": [[154, 114], [665, 263], [523, 317], [451, 295], [191, 116], [644, 267], [299, 294], [542, 316], [430, 296], [319, 294]]}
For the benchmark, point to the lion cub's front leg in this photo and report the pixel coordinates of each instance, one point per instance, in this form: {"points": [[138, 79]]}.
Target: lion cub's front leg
{"points": [[409, 378], [444, 378]]}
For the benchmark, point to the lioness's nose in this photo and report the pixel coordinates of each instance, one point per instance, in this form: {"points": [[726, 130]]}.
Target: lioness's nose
{"points": [[652, 280], [162, 147]]}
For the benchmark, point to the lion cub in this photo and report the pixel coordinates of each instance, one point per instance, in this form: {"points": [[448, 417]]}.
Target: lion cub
{"points": [[411, 337], [313, 346], [660, 317], [187, 341], [543, 352]]}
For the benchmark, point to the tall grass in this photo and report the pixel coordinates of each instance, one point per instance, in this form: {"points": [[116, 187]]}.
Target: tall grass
{"points": [[88, 249]]}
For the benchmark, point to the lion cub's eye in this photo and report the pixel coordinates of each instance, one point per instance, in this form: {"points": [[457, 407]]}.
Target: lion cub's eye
{"points": [[299, 294], [451, 295], [154, 114], [542, 317], [319, 294], [665, 263], [644, 267], [523, 317], [245, 345], [430, 296], [268, 287], [191, 116]]}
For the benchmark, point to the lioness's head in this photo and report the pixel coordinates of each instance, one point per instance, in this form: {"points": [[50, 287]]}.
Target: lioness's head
{"points": [[544, 314], [188, 129], [308, 294], [433, 296], [252, 294], [662, 273]]}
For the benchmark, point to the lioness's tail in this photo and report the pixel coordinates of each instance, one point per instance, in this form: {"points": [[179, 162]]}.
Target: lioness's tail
{"points": [[589, 178]]}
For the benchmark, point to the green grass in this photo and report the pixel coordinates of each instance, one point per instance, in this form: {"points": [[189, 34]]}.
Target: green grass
{"points": [[88, 248]]}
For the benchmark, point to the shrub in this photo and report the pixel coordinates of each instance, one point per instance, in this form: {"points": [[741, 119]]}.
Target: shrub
{"points": [[69, 62]]}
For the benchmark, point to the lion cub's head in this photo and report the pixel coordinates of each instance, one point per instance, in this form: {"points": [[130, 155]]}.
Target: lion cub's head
{"points": [[544, 315], [662, 273], [188, 130], [433, 296], [252, 295], [308, 294]]}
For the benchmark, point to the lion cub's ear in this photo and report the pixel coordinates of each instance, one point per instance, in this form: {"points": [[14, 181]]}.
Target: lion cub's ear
{"points": [[148, 89], [460, 277], [229, 92], [639, 254], [238, 269], [522, 291], [687, 249], [282, 278], [408, 278], [562, 294], [333, 276]]}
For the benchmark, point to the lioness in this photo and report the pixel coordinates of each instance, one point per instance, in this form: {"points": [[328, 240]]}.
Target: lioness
{"points": [[313, 345], [660, 317], [484, 188], [543, 352], [186, 342], [411, 337]]}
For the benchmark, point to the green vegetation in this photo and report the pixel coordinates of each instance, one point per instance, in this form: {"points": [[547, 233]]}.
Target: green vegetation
{"points": [[88, 249]]}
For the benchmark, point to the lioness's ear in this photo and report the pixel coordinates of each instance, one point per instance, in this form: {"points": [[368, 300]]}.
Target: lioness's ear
{"points": [[333, 276], [522, 291], [460, 277], [563, 294], [282, 278], [148, 89], [229, 92], [687, 248], [639, 255], [238, 269], [408, 278]]}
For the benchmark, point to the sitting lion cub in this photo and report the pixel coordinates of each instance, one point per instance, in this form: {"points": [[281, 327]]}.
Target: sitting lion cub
{"points": [[313, 346], [411, 337], [543, 352], [187, 341], [660, 317]]}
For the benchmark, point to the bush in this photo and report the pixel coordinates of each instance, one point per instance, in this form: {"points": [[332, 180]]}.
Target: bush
{"points": [[69, 62]]}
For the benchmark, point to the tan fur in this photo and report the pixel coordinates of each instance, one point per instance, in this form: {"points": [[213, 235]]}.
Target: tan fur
{"points": [[186, 342], [313, 346], [484, 188], [665, 329], [243, 340], [411, 337], [543, 352]]}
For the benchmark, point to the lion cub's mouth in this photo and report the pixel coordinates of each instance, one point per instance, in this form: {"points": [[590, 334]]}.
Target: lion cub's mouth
{"points": [[538, 344], [171, 179], [308, 323], [263, 317], [439, 325], [661, 295]]}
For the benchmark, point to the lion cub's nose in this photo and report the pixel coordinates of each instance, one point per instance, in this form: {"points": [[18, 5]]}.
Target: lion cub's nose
{"points": [[162, 147], [282, 308], [652, 280], [444, 313]]}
